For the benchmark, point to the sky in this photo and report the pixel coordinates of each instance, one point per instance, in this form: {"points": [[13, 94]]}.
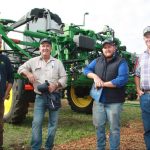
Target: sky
{"points": [[128, 18]]}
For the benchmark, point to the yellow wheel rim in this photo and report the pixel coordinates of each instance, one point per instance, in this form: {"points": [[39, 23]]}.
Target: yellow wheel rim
{"points": [[8, 104], [78, 101]]}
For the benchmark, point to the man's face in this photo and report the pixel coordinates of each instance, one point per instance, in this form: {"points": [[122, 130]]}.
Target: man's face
{"points": [[45, 49], [108, 50], [147, 40]]}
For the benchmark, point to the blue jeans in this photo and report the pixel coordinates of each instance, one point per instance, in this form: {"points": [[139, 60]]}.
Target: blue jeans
{"points": [[40, 107], [145, 107], [102, 113]]}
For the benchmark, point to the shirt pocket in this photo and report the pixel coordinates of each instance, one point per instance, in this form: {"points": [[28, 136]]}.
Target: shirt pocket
{"points": [[52, 73], [37, 72]]}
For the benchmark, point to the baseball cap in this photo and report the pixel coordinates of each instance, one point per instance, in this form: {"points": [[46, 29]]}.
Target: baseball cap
{"points": [[108, 41], [46, 40], [146, 30]]}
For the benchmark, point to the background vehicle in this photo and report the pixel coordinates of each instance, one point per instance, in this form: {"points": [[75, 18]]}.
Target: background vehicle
{"points": [[74, 46]]}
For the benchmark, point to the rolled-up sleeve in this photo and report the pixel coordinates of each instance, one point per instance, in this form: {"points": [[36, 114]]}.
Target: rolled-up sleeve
{"points": [[62, 75], [25, 67], [89, 68], [137, 68]]}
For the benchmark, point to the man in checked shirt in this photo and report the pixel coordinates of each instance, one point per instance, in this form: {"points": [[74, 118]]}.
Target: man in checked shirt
{"points": [[142, 81], [37, 70]]}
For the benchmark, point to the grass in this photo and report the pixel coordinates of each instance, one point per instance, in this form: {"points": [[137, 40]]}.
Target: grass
{"points": [[130, 113], [71, 126]]}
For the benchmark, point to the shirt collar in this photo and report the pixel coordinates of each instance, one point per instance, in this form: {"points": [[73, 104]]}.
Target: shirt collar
{"points": [[51, 58]]}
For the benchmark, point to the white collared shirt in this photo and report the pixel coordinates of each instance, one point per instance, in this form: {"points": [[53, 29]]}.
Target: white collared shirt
{"points": [[53, 71]]}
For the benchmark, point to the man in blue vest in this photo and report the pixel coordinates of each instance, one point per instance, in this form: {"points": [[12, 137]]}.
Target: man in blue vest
{"points": [[109, 72], [6, 81]]}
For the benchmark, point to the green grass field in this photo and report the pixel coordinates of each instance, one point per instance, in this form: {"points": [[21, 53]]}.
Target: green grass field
{"points": [[71, 126]]}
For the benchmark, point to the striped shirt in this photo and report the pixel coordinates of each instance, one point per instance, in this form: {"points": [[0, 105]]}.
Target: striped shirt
{"points": [[142, 70]]}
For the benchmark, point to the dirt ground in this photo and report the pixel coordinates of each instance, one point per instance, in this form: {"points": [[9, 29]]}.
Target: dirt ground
{"points": [[131, 139]]}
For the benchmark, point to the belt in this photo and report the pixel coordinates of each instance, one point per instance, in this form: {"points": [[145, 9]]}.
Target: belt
{"points": [[146, 91], [38, 94]]}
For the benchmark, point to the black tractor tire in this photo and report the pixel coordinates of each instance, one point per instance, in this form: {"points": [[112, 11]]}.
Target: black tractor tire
{"points": [[16, 107], [79, 99]]}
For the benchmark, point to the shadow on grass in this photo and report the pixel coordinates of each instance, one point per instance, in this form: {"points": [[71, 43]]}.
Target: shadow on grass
{"points": [[67, 118], [71, 126]]}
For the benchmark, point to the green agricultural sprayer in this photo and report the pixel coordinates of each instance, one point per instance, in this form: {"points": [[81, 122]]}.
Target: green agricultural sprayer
{"points": [[74, 46]]}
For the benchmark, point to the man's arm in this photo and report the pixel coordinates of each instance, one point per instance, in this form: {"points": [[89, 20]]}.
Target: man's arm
{"points": [[8, 88], [98, 82], [29, 75], [61, 83], [10, 78], [62, 76], [25, 70], [137, 74], [137, 83], [120, 80], [109, 84], [122, 77], [89, 72], [89, 68]]}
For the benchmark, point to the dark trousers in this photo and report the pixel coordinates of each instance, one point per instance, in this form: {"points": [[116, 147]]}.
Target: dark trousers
{"points": [[1, 122]]}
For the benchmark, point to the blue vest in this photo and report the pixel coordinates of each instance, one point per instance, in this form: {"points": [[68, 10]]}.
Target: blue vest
{"points": [[107, 71]]}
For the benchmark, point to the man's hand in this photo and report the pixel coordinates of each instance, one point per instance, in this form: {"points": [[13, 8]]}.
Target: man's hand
{"points": [[52, 87], [98, 82], [140, 92], [31, 77]]}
